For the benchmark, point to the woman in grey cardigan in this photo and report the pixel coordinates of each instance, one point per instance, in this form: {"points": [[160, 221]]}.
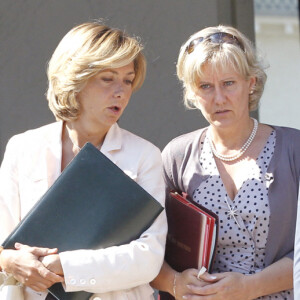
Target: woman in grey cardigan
{"points": [[244, 171]]}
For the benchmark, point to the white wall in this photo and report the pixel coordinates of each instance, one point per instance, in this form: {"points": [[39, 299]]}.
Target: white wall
{"points": [[278, 39]]}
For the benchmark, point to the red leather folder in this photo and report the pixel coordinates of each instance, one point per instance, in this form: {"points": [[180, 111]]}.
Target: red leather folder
{"points": [[192, 235]]}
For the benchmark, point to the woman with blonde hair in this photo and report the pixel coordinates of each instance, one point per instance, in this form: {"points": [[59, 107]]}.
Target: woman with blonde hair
{"points": [[244, 171], [92, 75]]}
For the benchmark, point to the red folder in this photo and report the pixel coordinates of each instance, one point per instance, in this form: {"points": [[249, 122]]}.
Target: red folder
{"points": [[192, 235]]}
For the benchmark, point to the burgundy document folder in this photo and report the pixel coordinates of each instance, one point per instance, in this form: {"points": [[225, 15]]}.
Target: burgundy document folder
{"points": [[192, 235]]}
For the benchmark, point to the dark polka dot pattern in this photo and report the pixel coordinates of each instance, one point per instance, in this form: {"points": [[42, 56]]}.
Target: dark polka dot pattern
{"points": [[242, 238]]}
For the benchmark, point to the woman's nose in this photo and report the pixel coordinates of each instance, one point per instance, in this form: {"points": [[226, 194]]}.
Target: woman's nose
{"points": [[119, 90], [219, 96]]}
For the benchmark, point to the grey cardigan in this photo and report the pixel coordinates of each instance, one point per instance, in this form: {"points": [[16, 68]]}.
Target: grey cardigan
{"points": [[181, 157]]}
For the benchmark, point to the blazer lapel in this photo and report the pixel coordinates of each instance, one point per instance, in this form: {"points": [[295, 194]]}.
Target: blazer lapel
{"points": [[54, 153], [112, 143], [41, 166]]}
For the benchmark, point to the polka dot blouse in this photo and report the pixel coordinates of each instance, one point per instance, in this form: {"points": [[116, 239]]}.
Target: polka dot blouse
{"points": [[243, 221]]}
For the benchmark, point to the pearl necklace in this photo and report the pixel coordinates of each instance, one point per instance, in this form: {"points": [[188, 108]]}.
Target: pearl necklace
{"points": [[241, 151]]}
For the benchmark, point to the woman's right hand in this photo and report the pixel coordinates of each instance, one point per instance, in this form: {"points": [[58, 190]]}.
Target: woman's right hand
{"points": [[25, 266], [187, 281]]}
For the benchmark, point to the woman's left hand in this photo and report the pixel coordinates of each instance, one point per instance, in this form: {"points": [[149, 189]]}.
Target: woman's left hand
{"points": [[49, 259], [23, 263], [229, 286], [52, 263]]}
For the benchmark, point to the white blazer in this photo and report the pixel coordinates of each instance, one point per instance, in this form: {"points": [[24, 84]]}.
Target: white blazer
{"points": [[31, 164]]}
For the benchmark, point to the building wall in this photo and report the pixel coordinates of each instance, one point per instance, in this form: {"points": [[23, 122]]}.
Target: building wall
{"points": [[277, 38], [30, 30]]}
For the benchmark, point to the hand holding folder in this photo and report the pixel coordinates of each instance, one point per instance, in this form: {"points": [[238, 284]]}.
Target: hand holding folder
{"points": [[93, 204], [192, 235]]}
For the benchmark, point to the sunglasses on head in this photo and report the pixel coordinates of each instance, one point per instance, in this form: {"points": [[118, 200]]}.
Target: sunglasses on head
{"points": [[215, 38]]}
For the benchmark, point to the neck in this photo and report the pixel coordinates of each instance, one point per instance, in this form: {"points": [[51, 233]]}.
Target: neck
{"points": [[231, 138], [232, 154], [78, 136]]}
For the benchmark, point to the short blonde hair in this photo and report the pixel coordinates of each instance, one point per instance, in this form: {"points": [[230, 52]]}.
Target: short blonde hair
{"points": [[84, 51], [240, 54]]}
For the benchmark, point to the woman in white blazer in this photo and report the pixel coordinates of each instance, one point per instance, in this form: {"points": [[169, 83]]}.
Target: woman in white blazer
{"points": [[92, 74]]}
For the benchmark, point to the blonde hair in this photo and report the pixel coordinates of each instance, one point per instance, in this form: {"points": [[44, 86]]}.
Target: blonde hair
{"points": [[83, 52], [241, 55]]}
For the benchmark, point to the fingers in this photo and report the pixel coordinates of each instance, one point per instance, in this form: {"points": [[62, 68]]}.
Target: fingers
{"points": [[204, 290], [197, 283], [208, 277], [214, 285], [37, 286], [52, 263], [201, 272], [49, 275], [27, 269], [35, 282], [190, 277], [225, 286], [38, 251], [187, 285], [40, 279]]}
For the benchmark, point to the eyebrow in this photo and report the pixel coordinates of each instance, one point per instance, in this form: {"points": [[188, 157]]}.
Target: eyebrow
{"points": [[114, 72], [225, 78]]}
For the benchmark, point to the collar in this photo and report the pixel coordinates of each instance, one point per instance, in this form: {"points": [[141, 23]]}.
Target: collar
{"points": [[113, 140]]}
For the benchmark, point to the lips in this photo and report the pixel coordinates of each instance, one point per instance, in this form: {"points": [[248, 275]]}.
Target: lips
{"points": [[115, 108], [221, 111]]}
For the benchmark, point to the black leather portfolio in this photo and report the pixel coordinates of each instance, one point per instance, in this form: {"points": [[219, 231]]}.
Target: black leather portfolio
{"points": [[93, 204]]}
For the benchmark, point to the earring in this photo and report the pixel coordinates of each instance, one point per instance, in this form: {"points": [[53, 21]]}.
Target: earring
{"points": [[251, 92]]}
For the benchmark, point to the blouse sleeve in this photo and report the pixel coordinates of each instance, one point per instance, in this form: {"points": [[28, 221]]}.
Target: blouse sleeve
{"points": [[9, 191], [168, 170]]}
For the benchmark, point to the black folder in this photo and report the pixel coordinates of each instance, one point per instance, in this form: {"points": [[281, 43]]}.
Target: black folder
{"points": [[93, 204]]}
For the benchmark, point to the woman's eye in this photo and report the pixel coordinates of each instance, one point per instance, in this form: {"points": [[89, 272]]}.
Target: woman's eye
{"points": [[205, 86], [228, 83], [106, 79], [129, 82]]}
